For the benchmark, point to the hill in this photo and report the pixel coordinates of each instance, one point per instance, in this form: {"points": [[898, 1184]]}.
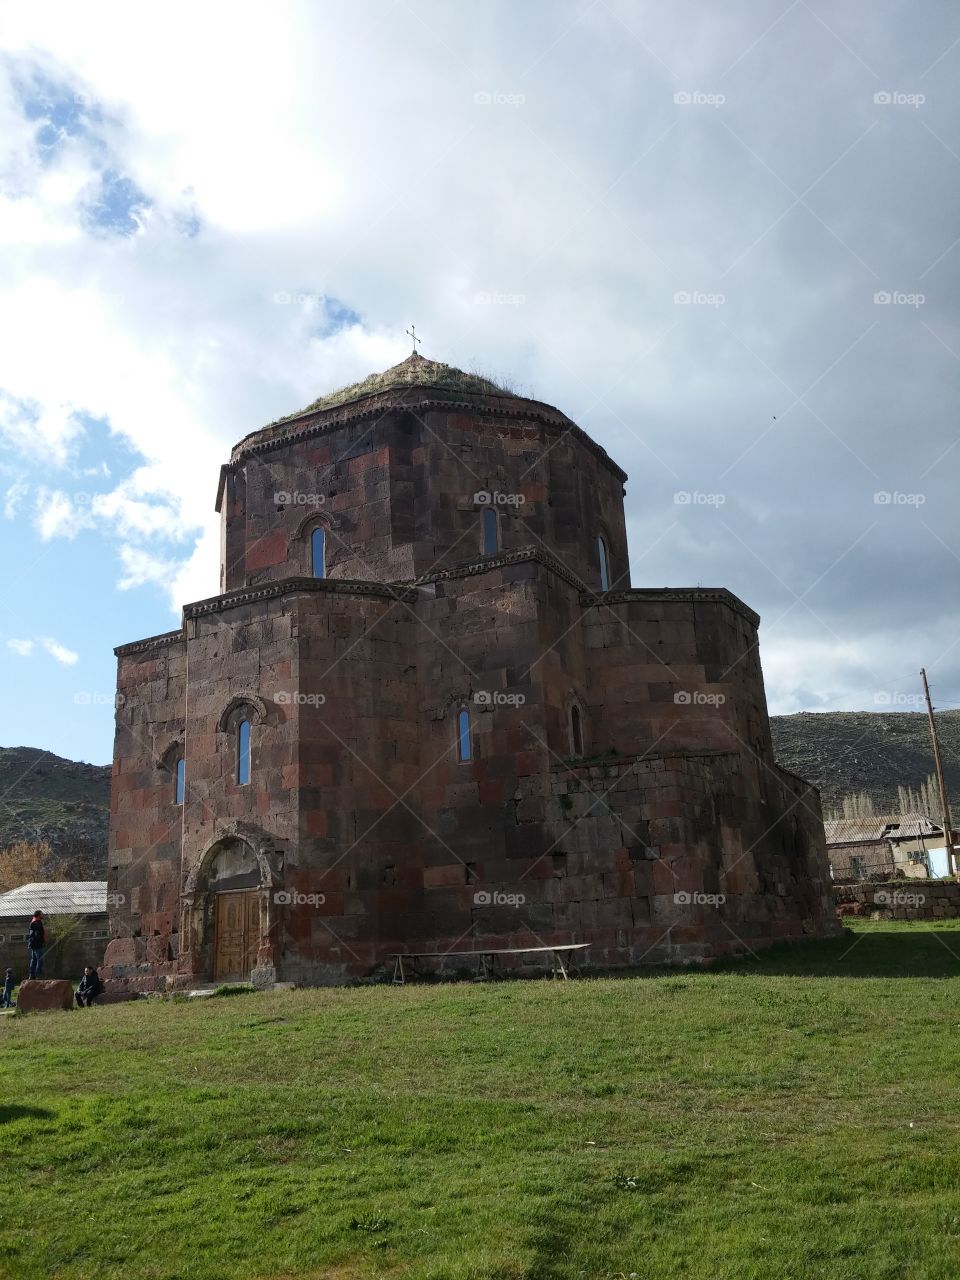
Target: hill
{"points": [[843, 752], [64, 802]]}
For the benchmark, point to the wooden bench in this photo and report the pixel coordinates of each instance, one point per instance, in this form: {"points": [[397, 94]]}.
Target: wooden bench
{"points": [[486, 959]]}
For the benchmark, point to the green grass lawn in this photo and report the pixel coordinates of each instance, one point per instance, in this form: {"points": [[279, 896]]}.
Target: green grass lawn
{"points": [[790, 1117]]}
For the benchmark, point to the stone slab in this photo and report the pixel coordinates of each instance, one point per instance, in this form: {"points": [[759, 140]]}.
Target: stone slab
{"points": [[41, 995]]}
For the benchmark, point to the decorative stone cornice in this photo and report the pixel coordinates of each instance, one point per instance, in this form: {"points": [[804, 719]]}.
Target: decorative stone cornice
{"points": [[297, 586], [644, 757], [672, 595], [488, 563], [406, 592], [321, 422], [151, 642]]}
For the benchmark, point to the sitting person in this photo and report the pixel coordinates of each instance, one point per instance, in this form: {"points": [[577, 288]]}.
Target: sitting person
{"points": [[9, 982], [89, 988]]}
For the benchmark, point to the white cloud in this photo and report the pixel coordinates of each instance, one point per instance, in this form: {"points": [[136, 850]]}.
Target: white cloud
{"points": [[40, 432], [194, 579], [130, 516], [56, 650], [56, 515], [140, 567], [26, 648], [13, 497]]}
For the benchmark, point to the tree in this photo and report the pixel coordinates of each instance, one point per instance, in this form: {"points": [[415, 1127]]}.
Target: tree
{"points": [[25, 862], [858, 805], [926, 800]]}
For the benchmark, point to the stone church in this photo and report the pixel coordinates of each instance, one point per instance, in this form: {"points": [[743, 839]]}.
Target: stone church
{"points": [[427, 712]]}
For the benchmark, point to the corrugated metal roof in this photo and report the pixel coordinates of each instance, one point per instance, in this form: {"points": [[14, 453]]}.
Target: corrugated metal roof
{"points": [[56, 898], [880, 826]]}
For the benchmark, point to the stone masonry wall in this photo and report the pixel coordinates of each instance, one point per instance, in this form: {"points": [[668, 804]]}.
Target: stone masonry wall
{"points": [[143, 878], [397, 495], [900, 899], [682, 672]]}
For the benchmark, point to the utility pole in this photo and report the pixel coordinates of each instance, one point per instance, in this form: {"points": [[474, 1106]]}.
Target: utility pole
{"points": [[938, 768]]}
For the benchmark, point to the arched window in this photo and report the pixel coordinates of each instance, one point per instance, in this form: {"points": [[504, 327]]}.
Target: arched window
{"points": [[180, 774], [576, 730], [491, 540], [243, 752], [604, 565], [464, 746], [318, 551]]}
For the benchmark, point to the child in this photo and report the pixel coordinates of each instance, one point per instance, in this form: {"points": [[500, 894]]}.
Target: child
{"points": [[9, 982]]}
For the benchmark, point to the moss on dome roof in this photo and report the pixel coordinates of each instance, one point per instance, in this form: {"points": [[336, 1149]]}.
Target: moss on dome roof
{"points": [[415, 371]]}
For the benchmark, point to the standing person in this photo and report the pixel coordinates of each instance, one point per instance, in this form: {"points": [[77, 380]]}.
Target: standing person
{"points": [[89, 988], [36, 941], [9, 982]]}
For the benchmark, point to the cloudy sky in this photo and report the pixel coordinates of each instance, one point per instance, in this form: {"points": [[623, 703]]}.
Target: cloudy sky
{"points": [[724, 239]]}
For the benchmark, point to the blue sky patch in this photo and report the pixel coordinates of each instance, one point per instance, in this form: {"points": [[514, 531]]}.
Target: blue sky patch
{"points": [[336, 316], [58, 109], [114, 207]]}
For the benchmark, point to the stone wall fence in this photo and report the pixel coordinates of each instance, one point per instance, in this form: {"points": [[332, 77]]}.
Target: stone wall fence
{"points": [[899, 899]]}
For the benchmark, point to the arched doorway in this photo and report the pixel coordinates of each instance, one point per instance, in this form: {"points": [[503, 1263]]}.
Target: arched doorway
{"points": [[234, 886], [229, 913]]}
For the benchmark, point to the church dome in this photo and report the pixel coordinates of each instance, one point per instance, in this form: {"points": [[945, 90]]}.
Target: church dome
{"points": [[415, 371]]}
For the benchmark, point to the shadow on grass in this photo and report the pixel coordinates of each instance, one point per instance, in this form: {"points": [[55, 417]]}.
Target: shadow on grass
{"points": [[872, 951], [12, 1111]]}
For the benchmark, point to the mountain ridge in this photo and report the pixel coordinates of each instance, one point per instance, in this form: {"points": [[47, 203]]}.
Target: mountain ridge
{"points": [[843, 752], [65, 803]]}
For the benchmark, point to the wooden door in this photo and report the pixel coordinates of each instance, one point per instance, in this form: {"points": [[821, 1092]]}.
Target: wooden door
{"points": [[236, 933]]}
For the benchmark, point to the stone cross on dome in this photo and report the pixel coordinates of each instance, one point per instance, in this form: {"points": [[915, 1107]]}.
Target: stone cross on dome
{"points": [[412, 333]]}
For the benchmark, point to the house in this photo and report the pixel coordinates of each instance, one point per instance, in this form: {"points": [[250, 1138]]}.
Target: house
{"points": [[882, 844], [75, 915]]}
